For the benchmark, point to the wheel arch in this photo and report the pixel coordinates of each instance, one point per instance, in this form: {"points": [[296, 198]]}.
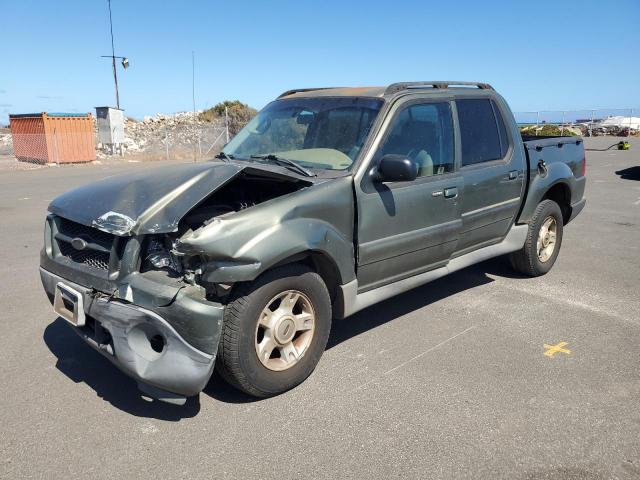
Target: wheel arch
{"points": [[561, 194], [555, 186], [321, 263]]}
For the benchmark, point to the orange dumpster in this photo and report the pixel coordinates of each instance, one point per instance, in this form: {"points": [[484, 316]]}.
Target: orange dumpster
{"points": [[53, 137]]}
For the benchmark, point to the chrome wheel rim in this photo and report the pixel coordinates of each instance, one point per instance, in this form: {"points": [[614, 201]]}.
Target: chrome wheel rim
{"points": [[547, 239], [285, 329]]}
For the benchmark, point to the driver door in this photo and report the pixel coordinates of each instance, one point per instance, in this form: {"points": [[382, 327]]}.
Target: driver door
{"points": [[406, 228]]}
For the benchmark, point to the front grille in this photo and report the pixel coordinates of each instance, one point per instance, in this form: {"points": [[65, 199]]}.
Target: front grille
{"points": [[97, 252], [73, 229], [90, 258]]}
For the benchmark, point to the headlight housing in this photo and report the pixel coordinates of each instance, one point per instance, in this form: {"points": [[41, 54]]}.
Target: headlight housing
{"points": [[158, 256]]}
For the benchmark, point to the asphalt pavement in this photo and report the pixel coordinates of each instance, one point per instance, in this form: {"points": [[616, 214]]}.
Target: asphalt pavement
{"points": [[449, 380]]}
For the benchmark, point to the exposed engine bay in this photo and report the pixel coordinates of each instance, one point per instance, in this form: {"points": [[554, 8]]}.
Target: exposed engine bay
{"points": [[242, 192]]}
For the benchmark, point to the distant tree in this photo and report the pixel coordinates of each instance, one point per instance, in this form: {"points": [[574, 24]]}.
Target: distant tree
{"points": [[239, 114]]}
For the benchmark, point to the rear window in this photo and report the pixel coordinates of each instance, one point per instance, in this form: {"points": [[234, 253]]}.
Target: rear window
{"points": [[484, 138], [504, 139]]}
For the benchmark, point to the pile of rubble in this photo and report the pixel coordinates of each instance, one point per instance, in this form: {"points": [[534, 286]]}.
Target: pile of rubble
{"points": [[614, 126], [171, 135], [617, 126], [6, 141]]}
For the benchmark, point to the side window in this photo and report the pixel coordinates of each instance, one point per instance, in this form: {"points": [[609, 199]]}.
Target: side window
{"points": [[504, 139], [424, 133], [479, 131]]}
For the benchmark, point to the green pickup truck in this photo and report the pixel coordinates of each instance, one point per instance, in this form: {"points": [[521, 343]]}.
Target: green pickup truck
{"points": [[328, 201]]}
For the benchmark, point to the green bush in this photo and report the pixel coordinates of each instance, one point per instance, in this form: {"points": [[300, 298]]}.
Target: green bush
{"points": [[547, 130], [239, 114]]}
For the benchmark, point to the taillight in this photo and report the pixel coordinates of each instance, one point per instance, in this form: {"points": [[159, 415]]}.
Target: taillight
{"points": [[584, 165]]}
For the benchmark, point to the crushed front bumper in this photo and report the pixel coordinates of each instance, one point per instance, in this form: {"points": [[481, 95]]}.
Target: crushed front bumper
{"points": [[142, 343]]}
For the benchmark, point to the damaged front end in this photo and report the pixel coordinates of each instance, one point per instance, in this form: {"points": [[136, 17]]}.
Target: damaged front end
{"points": [[151, 302], [133, 306]]}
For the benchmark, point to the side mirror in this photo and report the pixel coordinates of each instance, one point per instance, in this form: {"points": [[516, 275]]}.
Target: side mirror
{"points": [[397, 168]]}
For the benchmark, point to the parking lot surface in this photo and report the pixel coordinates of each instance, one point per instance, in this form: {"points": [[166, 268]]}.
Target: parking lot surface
{"points": [[449, 380]]}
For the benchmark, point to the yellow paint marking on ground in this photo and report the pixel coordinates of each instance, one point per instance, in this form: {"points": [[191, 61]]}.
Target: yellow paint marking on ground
{"points": [[551, 350]]}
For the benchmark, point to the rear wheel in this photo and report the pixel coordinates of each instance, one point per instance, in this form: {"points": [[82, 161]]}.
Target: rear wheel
{"points": [[275, 331], [544, 238]]}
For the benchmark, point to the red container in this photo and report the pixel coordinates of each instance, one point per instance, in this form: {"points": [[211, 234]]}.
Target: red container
{"points": [[53, 137]]}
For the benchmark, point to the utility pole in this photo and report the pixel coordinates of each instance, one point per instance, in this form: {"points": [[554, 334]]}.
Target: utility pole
{"points": [[113, 58], [193, 82], [226, 122], [193, 99], [125, 60]]}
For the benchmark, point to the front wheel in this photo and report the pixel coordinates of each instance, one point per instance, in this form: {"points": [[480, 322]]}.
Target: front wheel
{"points": [[544, 238], [275, 331]]}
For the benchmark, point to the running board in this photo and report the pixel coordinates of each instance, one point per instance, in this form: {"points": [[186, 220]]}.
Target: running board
{"points": [[354, 301]]}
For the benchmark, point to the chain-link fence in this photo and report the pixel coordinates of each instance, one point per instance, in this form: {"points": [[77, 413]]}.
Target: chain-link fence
{"points": [[163, 137], [186, 136], [588, 122], [170, 137], [6, 142]]}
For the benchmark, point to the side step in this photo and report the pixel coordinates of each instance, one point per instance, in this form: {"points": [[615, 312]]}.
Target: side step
{"points": [[354, 301]]}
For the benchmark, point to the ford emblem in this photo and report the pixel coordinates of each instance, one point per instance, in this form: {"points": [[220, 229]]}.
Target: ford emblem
{"points": [[78, 243]]}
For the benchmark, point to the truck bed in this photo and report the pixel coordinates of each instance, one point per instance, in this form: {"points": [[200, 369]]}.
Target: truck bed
{"points": [[548, 140], [554, 161], [567, 150]]}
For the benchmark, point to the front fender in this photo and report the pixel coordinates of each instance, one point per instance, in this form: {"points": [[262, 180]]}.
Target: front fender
{"points": [[283, 241], [243, 245]]}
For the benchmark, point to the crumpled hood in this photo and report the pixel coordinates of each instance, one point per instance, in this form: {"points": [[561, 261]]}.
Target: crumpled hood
{"points": [[149, 201]]}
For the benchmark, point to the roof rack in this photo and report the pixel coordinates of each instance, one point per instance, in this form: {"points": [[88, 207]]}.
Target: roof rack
{"points": [[300, 90], [398, 87]]}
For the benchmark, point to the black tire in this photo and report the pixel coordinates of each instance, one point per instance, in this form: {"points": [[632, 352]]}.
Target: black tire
{"points": [[237, 360], [526, 260]]}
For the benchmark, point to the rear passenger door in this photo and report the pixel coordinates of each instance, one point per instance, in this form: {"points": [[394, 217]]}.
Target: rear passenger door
{"points": [[493, 173]]}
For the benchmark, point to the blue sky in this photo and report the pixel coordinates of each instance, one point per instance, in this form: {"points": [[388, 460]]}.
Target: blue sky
{"points": [[539, 55]]}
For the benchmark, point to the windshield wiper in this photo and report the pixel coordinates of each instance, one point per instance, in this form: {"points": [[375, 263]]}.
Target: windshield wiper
{"points": [[285, 162], [227, 157]]}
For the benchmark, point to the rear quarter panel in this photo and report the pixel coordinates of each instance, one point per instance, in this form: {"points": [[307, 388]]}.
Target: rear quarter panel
{"points": [[563, 157]]}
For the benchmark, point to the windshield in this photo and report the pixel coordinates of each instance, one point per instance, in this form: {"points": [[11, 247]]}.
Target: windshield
{"points": [[325, 133]]}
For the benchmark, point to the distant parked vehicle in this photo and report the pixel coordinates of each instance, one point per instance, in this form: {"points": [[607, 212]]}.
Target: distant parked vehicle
{"points": [[328, 201]]}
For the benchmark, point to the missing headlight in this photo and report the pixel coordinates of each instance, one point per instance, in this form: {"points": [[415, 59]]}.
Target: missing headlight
{"points": [[159, 257]]}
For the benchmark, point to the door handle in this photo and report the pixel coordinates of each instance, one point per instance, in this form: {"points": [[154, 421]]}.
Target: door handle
{"points": [[451, 192], [513, 174]]}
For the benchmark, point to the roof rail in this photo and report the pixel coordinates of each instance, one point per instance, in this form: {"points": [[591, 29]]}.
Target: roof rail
{"points": [[398, 87], [300, 90]]}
